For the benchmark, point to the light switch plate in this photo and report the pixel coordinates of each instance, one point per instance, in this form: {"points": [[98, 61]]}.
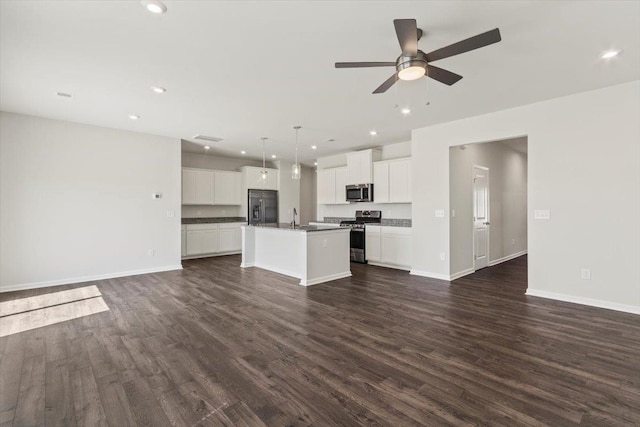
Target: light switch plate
{"points": [[439, 213], [542, 214]]}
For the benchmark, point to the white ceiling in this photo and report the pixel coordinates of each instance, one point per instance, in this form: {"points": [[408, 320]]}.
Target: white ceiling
{"points": [[240, 70]]}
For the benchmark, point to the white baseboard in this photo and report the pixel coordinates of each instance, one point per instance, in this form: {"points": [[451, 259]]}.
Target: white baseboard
{"points": [[211, 255], [247, 264], [382, 264], [462, 273], [635, 309], [72, 280], [326, 278], [429, 274], [507, 258]]}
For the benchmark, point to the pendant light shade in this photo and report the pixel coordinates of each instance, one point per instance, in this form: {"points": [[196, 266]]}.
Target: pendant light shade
{"points": [[263, 172], [295, 169]]}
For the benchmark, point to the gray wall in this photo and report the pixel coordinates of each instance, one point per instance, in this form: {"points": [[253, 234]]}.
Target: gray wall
{"points": [[508, 201], [76, 202], [583, 166], [308, 196]]}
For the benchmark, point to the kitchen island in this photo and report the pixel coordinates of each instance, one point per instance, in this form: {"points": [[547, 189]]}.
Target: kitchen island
{"points": [[313, 254]]}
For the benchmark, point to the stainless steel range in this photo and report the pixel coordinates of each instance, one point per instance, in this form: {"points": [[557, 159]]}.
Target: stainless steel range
{"points": [[358, 234]]}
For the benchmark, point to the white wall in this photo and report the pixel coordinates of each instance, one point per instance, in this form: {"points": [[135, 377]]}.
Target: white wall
{"points": [[389, 210], [212, 161], [508, 202], [583, 165], [76, 202]]}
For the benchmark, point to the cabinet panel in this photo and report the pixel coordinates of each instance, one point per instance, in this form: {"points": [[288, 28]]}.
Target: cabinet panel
{"points": [[381, 182], [396, 249], [202, 241], [204, 187], [188, 187], [183, 233], [326, 186], [359, 167], [372, 244], [227, 188], [230, 237], [342, 176], [400, 181]]}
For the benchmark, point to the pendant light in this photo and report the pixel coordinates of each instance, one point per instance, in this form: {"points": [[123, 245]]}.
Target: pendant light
{"points": [[263, 172], [295, 169]]}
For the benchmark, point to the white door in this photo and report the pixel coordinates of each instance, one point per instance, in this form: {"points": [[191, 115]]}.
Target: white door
{"points": [[480, 217]]}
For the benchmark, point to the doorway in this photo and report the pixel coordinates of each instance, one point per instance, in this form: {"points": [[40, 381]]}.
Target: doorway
{"points": [[488, 204], [481, 223]]}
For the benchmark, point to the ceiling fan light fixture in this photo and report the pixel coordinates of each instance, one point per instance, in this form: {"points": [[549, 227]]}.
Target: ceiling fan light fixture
{"points": [[412, 72]]}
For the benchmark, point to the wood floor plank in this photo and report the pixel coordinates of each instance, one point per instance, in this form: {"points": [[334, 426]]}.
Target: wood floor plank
{"points": [[214, 345]]}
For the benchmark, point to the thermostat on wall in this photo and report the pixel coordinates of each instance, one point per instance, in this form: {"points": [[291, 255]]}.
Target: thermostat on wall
{"points": [[156, 196]]}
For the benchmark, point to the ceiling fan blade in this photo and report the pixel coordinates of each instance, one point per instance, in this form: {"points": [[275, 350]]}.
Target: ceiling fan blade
{"points": [[475, 42], [443, 76], [387, 84], [407, 32], [364, 64]]}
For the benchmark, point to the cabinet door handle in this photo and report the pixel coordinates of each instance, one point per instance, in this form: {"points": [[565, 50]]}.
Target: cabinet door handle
{"points": [[486, 223]]}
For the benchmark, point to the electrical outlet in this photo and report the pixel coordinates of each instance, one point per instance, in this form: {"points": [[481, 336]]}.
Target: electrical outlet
{"points": [[585, 273], [542, 214], [151, 252], [171, 214], [443, 256], [453, 213], [439, 213], [513, 241], [324, 243]]}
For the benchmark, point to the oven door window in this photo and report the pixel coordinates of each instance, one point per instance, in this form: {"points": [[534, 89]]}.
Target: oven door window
{"points": [[357, 239]]}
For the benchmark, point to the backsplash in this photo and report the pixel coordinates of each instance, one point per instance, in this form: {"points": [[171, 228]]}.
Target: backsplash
{"points": [[211, 211], [391, 222], [389, 210]]}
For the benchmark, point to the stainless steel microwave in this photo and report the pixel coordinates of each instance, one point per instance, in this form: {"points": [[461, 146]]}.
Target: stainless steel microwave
{"points": [[360, 193]]}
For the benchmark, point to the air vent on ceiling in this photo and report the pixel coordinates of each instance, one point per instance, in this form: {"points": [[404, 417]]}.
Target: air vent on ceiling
{"points": [[207, 138]]}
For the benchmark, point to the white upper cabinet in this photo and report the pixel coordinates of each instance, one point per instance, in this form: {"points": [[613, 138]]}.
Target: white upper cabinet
{"points": [[197, 187], [253, 178], [400, 181], [392, 181], [342, 176], [331, 186], [381, 182], [228, 188], [326, 186], [360, 167]]}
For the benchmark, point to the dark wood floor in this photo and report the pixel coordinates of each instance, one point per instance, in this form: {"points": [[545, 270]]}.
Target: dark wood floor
{"points": [[218, 345]]}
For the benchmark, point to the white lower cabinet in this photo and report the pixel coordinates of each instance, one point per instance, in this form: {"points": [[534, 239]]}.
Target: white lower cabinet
{"points": [[211, 239], [372, 244], [389, 246], [229, 238]]}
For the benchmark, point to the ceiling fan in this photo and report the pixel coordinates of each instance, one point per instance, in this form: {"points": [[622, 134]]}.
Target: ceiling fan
{"points": [[414, 63]]}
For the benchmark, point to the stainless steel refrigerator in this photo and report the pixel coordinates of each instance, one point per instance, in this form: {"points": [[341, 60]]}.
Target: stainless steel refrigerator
{"points": [[263, 207]]}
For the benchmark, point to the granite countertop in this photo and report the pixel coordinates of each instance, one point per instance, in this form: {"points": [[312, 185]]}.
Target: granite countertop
{"points": [[306, 228], [214, 220], [387, 222]]}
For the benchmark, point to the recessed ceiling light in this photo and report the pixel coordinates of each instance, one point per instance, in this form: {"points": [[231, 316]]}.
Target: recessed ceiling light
{"points": [[315, 163], [610, 54], [243, 152], [158, 89], [313, 147], [134, 116], [64, 94], [273, 156], [154, 6], [406, 111], [206, 147], [373, 133]]}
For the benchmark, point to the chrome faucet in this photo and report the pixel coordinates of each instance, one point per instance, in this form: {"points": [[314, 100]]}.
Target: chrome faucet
{"points": [[293, 221]]}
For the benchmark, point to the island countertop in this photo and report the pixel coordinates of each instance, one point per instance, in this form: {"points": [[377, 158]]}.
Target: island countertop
{"points": [[303, 228]]}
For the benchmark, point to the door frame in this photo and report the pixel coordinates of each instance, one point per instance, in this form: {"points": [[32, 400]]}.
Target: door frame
{"points": [[473, 226]]}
